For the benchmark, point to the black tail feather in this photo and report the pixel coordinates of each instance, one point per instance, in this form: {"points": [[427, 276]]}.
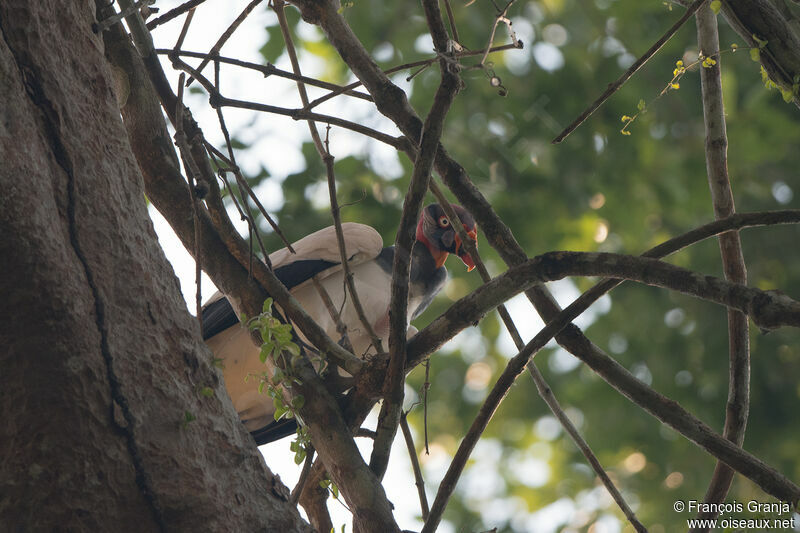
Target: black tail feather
{"points": [[275, 431]]}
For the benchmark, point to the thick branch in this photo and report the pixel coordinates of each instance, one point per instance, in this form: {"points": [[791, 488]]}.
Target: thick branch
{"points": [[716, 145], [398, 308], [759, 18]]}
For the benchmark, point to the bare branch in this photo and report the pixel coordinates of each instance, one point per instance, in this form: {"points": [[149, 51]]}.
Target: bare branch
{"points": [[304, 475], [412, 455]]}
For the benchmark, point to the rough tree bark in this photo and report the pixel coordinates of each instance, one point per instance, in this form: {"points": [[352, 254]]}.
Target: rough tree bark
{"points": [[113, 416]]}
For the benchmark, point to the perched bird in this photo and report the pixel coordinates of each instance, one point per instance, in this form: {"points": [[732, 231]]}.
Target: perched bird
{"points": [[317, 255]]}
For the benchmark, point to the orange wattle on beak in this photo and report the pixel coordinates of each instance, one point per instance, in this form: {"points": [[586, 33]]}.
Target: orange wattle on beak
{"points": [[463, 254]]}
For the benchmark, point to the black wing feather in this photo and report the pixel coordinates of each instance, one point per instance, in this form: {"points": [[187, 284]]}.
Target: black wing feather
{"points": [[219, 316]]}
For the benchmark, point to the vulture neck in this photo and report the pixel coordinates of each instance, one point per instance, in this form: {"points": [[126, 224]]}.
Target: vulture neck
{"points": [[439, 256]]}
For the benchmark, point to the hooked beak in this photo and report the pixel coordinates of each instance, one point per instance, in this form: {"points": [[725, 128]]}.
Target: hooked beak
{"points": [[463, 254]]}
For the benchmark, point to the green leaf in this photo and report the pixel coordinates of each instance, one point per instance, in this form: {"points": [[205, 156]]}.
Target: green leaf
{"points": [[208, 392], [755, 54], [715, 6], [266, 350], [298, 401]]}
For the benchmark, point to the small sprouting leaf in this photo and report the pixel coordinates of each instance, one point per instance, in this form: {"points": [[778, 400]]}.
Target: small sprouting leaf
{"points": [[625, 119], [625, 132], [761, 43], [755, 54], [208, 392], [715, 6], [335, 490], [642, 105], [267, 305], [280, 412]]}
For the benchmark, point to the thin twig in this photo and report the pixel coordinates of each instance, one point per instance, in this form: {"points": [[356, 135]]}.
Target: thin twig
{"points": [[192, 171], [327, 159], [106, 23], [244, 187], [184, 29], [500, 17], [234, 169], [716, 145], [173, 13], [615, 86], [267, 70], [334, 313], [226, 35], [405, 66], [426, 386], [452, 20], [412, 455]]}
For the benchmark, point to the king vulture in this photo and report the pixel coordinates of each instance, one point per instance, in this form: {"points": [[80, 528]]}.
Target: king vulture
{"points": [[318, 255]]}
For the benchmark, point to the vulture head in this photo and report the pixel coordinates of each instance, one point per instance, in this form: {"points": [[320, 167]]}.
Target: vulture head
{"points": [[436, 233]]}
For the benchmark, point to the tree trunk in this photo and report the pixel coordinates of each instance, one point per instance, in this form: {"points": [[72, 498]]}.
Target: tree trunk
{"points": [[114, 417]]}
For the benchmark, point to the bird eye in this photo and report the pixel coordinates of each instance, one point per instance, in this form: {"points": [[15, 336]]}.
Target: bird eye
{"points": [[443, 222]]}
